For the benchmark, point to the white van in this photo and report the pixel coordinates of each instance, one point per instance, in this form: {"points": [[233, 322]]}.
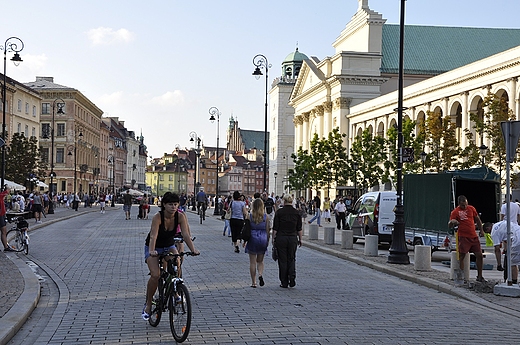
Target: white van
{"points": [[373, 214]]}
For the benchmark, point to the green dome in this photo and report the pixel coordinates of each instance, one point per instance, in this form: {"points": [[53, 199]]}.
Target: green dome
{"points": [[295, 56]]}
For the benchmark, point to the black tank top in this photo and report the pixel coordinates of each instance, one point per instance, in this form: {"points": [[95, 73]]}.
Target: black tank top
{"points": [[165, 236]]}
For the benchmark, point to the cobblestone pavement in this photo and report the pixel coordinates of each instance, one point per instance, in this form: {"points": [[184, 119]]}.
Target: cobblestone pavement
{"points": [[96, 264]]}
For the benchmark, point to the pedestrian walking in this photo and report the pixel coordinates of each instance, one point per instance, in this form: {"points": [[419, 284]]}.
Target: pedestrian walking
{"points": [[287, 236], [127, 204], [238, 213], [256, 246], [316, 202]]}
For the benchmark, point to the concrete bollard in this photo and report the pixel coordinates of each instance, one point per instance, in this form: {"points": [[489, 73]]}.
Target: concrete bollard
{"points": [[347, 239], [371, 242], [454, 265], [313, 232], [422, 258], [329, 235]]}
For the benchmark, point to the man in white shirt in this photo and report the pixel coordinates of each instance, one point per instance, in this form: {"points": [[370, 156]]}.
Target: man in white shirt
{"points": [[514, 211], [499, 237]]}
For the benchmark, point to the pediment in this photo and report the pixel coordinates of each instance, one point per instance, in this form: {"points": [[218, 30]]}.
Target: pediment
{"points": [[310, 76]]}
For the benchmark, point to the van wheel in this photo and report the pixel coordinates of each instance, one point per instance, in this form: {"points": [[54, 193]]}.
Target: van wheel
{"points": [[417, 242]]}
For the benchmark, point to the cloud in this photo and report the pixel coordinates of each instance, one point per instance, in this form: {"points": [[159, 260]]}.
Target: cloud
{"points": [[107, 36], [168, 99]]}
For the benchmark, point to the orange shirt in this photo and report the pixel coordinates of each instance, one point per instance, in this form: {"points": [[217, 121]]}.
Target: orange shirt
{"points": [[466, 219]]}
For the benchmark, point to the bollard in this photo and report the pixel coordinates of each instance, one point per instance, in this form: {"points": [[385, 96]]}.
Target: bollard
{"points": [[371, 242], [313, 232], [347, 239], [422, 258], [329, 235], [454, 266]]}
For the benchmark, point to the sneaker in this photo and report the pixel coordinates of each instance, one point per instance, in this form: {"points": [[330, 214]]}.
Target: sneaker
{"points": [[144, 314], [481, 280], [261, 279], [8, 249]]}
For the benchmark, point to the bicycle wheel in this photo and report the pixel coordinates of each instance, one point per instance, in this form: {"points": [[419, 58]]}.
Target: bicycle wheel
{"points": [[26, 243], [201, 215], [17, 241], [157, 307], [180, 313]]}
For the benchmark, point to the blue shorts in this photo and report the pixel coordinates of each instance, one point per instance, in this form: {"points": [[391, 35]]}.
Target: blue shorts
{"points": [[159, 251], [126, 208]]}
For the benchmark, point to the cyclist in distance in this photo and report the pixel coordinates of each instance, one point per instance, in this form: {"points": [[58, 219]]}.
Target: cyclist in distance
{"points": [[166, 225], [201, 199]]}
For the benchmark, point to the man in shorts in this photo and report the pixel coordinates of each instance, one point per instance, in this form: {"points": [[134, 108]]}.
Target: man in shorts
{"points": [[127, 204], [465, 217]]}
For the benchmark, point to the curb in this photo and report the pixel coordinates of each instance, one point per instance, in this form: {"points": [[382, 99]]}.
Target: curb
{"points": [[13, 320]]}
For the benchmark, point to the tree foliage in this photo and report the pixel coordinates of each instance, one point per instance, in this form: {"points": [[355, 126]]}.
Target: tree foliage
{"points": [[410, 140], [441, 139], [22, 159], [368, 152]]}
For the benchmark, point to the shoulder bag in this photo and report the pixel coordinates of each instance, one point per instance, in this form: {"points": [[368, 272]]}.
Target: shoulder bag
{"points": [[246, 230]]}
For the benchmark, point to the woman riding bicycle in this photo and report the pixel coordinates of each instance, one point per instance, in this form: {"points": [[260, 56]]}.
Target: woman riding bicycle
{"points": [[166, 225]]}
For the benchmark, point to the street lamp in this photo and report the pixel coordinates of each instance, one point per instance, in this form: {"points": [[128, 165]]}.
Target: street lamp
{"points": [[12, 44], [423, 159], [215, 113], [483, 152], [111, 179], [260, 61], [194, 137], [355, 166], [275, 189], [398, 250], [60, 107], [76, 136]]}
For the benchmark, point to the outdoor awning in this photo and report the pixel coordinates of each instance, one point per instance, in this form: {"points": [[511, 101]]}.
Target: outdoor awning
{"points": [[14, 186]]}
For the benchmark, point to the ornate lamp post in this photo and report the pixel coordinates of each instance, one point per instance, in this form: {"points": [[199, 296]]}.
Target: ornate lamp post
{"points": [[194, 137], [275, 176], [260, 61], [60, 107], [423, 159], [77, 137], [12, 44], [215, 114], [398, 250], [111, 179]]}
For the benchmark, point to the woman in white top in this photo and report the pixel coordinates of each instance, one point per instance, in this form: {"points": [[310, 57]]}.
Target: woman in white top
{"points": [[238, 213]]}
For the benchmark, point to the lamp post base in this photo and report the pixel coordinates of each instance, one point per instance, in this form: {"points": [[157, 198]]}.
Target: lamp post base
{"points": [[398, 250], [50, 210]]}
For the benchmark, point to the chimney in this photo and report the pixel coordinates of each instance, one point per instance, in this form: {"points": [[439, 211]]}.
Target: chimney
{"points": [[49, 79]]}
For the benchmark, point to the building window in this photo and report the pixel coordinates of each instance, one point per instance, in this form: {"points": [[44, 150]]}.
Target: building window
{"points": [[20, 105], [170, 178], [33, 132], [26, 132], [60, 155], [170, 186], [46, 108], [19, 128], [60, 130], [46, 130], [45, 154], [63, 186], [34, 110], [27, 108]]}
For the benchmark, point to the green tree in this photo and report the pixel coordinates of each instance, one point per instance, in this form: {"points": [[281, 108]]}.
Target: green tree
{"points": [[368, 152], [22, 159], [440, 137], [303, 164], [410, 140]]}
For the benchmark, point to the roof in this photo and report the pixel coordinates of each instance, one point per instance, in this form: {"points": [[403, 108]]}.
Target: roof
{"points": [[434, 50], [46, 83], [254, 139], [295, 56]]}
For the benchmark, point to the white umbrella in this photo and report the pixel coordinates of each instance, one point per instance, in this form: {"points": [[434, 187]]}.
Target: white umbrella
{"points": [[135, 192], [42, 184], [14, 186]]}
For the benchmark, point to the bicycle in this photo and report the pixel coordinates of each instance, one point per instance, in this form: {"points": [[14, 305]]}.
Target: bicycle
{"points": [[18, 235], [172, 295], [202, 211]]}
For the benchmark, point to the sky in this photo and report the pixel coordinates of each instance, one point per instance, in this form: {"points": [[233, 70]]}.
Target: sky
{"points": [[160, 65]]}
